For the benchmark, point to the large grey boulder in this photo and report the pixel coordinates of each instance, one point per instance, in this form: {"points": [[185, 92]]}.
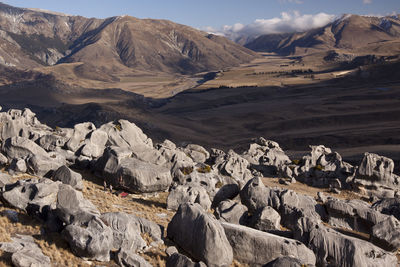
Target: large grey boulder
{"points": [[173, 155], [335, 249], [179, 260], [32, 195], [121, 169], [353, 214], [126, 258], [143, 177], [25, 252], [72, 207], [93, 240], [4, 179], [94, 144], [79, 135], [257, 248], [127, 230], [266, 219], [207, 178], [255, 195], [232, 212], [17, 166], [322, 167], [266, 156], [51, 142], [68, 176], [236, 167], [386, 234], [375, 174], [228, 191], [38, 161], [44, 165], [123, 133], [198, 153], [188, 194], [200, 235], [20, 148], [295, 206], [388, 206], [21, 123]]}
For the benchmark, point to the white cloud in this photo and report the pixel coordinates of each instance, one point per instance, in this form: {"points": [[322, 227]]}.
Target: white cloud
{"points": [[367, 1], [288, 22]]}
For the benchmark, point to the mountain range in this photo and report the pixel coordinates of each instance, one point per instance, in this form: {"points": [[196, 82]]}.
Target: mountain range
{"points": [[350, 33], [33, 38]]}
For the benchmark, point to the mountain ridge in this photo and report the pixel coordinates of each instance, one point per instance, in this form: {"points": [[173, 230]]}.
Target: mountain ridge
{"points": [[353, 33], [33, 38]]}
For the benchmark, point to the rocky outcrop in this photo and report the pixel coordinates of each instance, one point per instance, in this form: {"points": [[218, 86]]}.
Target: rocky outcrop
{"points": [[266, 219], [267, 157], [322, 167], [188, 194], [36, 197], [127, 230], [389, 206], [197, 153], [257, 248], [386, 234], [25, 252], [332, 248], [122, 170], [92, 240], [72, 207], [255, 195], [68, 176], [231, 212], [200, 235], [375, 175], [234, 166], [353, 214]]}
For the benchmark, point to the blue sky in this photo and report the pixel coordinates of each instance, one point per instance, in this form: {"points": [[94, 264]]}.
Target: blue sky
{"points": [[215, 13]]}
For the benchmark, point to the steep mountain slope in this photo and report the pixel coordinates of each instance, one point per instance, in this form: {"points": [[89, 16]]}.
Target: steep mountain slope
{"points": [[157, 45], [351, 33], [32, 38]]}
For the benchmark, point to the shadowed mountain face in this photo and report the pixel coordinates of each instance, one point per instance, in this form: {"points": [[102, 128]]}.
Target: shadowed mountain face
{"points": [[31, 38], [352, 33]]}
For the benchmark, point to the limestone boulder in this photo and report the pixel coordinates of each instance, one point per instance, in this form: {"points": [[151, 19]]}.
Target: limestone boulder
{"points": [[188, 194], [386, 234], [25, 252], [93, 240], [72, 207], [335, 249], [68, 176], [232, 212], [266, 219], [257, 248], [79, 135], [197, 153], [200, 235], [255, 195]]}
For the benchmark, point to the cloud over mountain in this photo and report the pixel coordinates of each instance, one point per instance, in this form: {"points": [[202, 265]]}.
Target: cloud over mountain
{"points": [[288, 22]]}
